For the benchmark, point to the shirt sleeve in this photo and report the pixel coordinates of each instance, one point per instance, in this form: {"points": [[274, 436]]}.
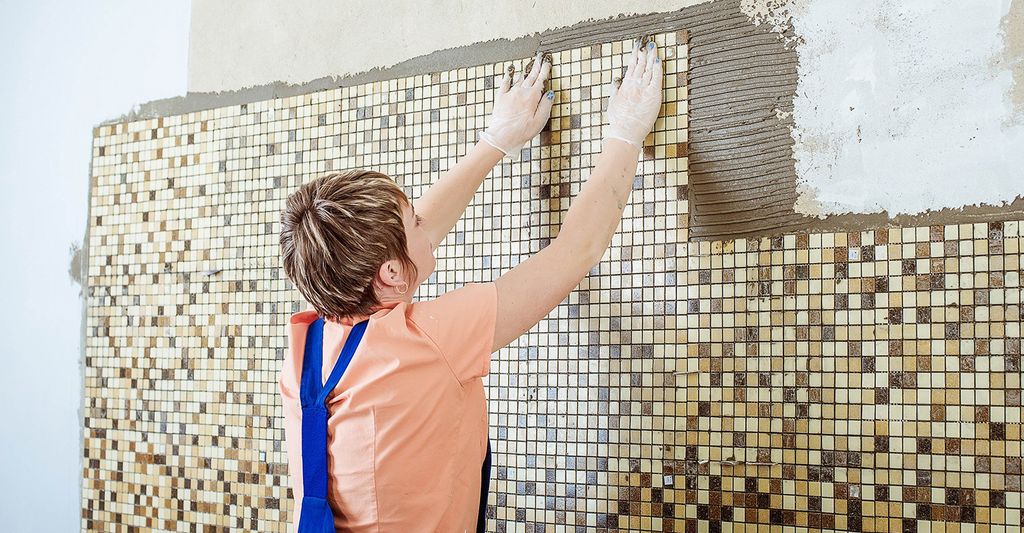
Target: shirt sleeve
{"points": [[461, 323], [293, 444], [288, 388]]}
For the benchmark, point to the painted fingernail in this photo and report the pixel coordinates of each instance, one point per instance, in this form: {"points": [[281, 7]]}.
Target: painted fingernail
{"points": [[657, 60], [551, 95], [650, 45]]}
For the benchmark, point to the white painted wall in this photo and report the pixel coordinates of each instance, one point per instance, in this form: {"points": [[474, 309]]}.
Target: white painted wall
{"points": [[67, 65], [905, 105]]}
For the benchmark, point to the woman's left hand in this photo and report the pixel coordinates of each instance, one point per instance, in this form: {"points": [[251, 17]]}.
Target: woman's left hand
{"points": [[521, 109]]}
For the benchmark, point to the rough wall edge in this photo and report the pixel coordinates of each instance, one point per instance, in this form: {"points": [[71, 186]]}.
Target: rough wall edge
{"points": [[81, 264], [586, 32], [971, 214], [474, 54]]}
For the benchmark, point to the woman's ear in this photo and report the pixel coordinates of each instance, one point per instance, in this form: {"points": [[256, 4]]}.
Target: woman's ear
{"points": [[390, 274]]}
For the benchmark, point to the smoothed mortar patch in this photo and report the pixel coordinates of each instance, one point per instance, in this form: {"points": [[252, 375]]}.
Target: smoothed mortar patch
{"points": [[76, 265]]}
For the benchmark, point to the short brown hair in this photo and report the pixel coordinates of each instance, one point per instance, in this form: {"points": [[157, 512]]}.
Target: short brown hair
{"points": [[336, 232]]}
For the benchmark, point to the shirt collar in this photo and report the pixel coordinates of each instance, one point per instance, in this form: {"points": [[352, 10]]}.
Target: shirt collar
{"points": [[308, 315]]}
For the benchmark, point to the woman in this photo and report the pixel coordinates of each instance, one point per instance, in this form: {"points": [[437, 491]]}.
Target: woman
{"points": [[396, 439]]}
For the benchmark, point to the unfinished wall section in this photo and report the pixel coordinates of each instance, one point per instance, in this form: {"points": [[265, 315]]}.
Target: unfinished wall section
{"points": [[904, 107]]}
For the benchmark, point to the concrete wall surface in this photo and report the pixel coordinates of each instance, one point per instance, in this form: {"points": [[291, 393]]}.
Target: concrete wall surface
{"points": [[905, 106]]}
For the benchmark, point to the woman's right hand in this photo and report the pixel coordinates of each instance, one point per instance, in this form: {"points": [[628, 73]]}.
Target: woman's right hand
{"points": [[636, 101]]}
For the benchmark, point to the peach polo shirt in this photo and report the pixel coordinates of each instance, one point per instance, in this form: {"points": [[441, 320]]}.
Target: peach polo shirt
{"points": [[407, 431]]}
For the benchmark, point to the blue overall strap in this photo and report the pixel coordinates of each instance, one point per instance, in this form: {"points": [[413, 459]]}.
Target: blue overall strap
{"points": [[316, 513]]}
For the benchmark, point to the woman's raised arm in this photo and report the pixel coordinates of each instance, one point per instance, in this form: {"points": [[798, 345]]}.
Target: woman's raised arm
{"points": [[528, 292]]}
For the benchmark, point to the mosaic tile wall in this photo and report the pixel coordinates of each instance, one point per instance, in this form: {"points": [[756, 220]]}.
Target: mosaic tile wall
{"points": [[868, 380]]}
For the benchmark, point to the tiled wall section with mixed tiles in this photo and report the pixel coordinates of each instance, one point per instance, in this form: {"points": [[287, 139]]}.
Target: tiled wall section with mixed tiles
{"points": [[187, 302], [866, 381], [829, 381]]}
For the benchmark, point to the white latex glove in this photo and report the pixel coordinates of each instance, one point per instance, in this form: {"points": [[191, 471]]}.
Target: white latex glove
{"points": [[520, 109], [636, 102]]}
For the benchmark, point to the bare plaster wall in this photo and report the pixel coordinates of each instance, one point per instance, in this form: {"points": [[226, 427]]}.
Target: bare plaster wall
{"points": [[904, 106]]}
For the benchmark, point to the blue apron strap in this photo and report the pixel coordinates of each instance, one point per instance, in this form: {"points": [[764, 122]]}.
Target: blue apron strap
{"points": [[314, 410], [344, 359], [312, 363]]}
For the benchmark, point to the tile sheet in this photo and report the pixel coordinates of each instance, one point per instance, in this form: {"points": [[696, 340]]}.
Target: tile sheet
{"points": [[837, 381], [187, 300]]}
